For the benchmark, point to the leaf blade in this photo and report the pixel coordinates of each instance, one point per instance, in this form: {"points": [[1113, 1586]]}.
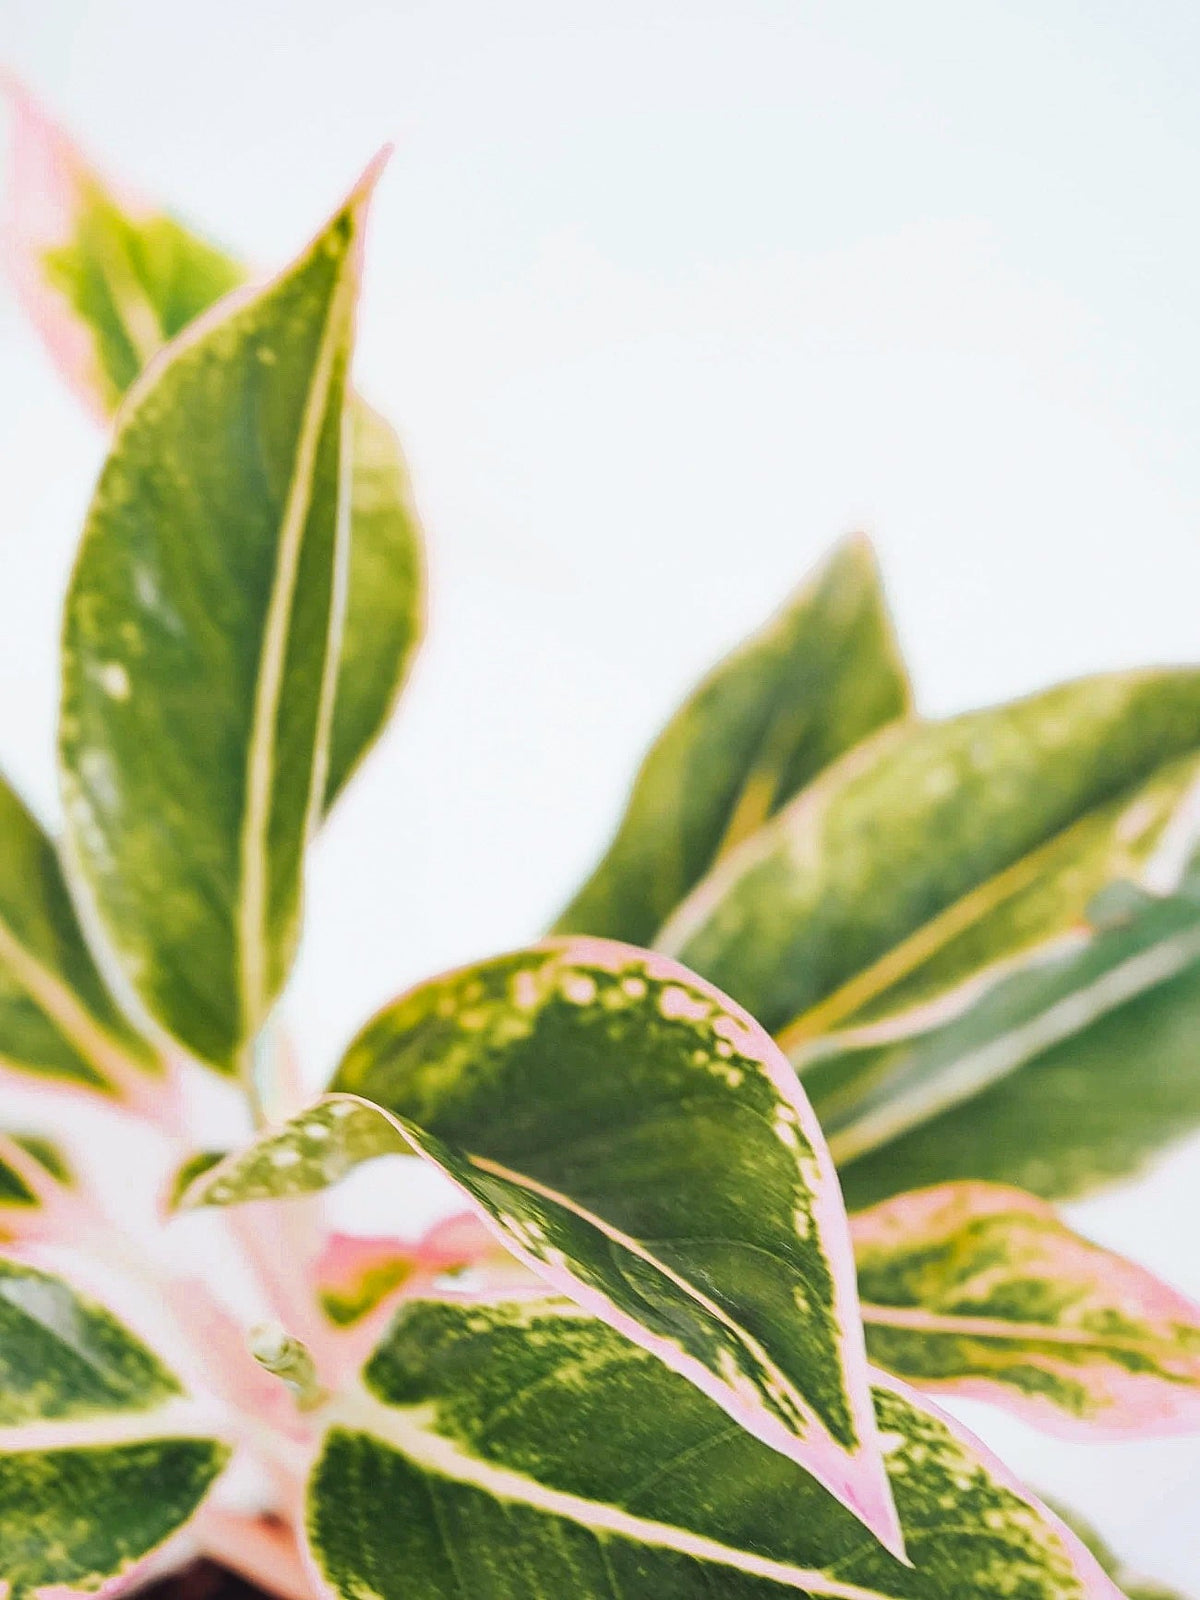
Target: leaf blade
{"points": [[571, 1091], [57, 1018], [108, 280], [100, 1459], [209, 569], [821, 675], [937, 856], [981, 1290], [612, 1475]]}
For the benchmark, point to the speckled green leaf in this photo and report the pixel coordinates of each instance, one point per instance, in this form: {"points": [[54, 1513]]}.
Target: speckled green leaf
{"points": [[199, 648], [1062, 1080], [108, 280], [522, 1448], [869, 1097], [979, 1289], [936, 856], [101, 1458], [821, 676], [641, 1144], [56, 1017]]}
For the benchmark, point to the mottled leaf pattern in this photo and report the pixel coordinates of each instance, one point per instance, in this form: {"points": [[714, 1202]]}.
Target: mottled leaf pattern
{"points": [[199, 646], [935, 856], [641, 1144], [520, 1447], [56, 1017], [821, 676], [981, 1290], [100, 1458], [108, 280]]}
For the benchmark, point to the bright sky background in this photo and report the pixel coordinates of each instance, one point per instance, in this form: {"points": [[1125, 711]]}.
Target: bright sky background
{"points": [[664, 298]]}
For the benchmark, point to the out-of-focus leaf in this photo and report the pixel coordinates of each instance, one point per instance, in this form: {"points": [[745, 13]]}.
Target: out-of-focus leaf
{"points": [[520, 1447], [1060, 1106], [56, 1017], [354, 1275], [101, 1459], [16, 1186], [980, 1290], [818, 678], [641, 1144], [199, 649], [109, 279], [871, 1097], [935, 857]]}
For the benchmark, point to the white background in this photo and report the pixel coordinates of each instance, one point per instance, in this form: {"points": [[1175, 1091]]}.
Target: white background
{"points": [[665, 297]]}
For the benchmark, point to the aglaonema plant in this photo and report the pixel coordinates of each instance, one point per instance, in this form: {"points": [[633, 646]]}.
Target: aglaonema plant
{"points": [[950, 970]]}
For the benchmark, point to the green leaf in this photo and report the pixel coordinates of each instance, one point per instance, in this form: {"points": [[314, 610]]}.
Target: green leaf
{"points": [[642, 1145], [199, 649], [108, 280], [523, 1448], [385, 595], [818, 678], [16, 1187], [868, 1097], [980, 1290], [1035, 1085], [56, 1017], [101, 1460], [935, 857]]}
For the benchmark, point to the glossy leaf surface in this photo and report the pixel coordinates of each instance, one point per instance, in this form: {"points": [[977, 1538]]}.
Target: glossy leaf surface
{"points": [[108, 279], [521, 1447], [100, 1459], [818, 678], [199, 646], [928, 862], [56, 1016], [640, 1143], [981, 1290]]}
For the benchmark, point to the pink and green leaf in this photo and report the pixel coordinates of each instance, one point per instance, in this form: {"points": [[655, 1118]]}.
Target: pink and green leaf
{"points": [[517, 1446], [108, 279], [102, 1458], [981, 1290], [637, 1141]]}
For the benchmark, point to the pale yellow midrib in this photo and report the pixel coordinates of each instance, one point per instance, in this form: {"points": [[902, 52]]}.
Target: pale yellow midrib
{"points": [[252, 904], [53, 997], [979, 1069], [411, 1433], [924, 942], [948, 1323]]}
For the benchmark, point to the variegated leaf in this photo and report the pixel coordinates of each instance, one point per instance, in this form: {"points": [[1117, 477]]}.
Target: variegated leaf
{"points": [[56, 1017], [818, 678], [354, 1275], [520, 1447], [101, 1458], [1033, 1085], [108, 279], [25, 1158], [640, 1143], [979, 1289], [936, 857], [200, 644]]}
